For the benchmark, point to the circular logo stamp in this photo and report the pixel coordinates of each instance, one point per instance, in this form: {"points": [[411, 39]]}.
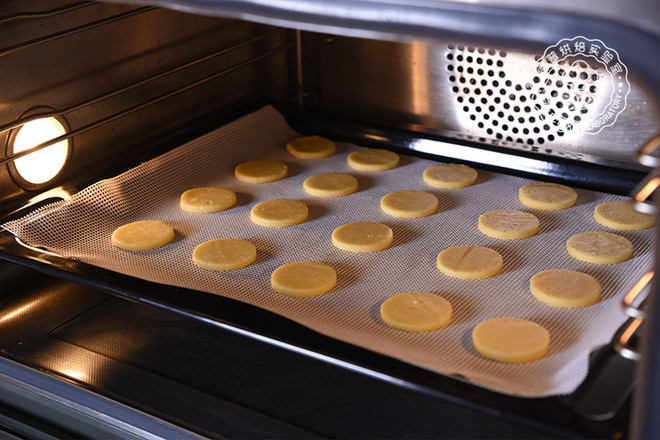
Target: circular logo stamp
{"points": [[595, 60]]}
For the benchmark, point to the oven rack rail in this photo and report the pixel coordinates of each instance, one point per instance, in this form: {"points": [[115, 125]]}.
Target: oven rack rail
{"points": [[634, 304], [13, 125], [45, 12], [74, 30]]}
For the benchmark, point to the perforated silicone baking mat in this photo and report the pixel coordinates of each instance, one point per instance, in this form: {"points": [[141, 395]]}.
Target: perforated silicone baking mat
{"points": [[82, 227]]}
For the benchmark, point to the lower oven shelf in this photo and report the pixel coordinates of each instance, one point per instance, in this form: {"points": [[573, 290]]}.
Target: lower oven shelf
{"points": [[217, 383]]}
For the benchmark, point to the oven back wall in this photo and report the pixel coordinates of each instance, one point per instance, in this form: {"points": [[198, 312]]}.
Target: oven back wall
{"points": [[480, 92], [62, 56]]}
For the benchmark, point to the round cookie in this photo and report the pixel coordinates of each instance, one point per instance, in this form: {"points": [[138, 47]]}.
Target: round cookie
{"points": [[409, 204], [565, 288], [622, 215], [599, 247], [362, 237], [207, 199], [311, 147], [450, 176], [547, 196], [279, 213], [224, 254], [142, 235], [508, 224], [303, 279], [416, 311], [373, 160], [330, 185], [470, 262], [260, 171], [511, 340]]}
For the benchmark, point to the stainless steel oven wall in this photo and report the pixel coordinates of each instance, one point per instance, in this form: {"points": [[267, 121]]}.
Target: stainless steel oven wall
{"points": [[63, 55], [482, 92]]}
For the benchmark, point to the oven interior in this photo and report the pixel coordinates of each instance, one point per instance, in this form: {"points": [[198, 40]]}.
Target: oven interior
{"points": [[131, 82]]}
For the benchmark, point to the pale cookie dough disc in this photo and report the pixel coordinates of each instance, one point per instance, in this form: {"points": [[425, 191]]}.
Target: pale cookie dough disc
{"points": [[142, 235], [409, 204], [224, 254], [260, 171], [207, 199], [278, 213], [303, 279], [565, 288], [599, 247], [622, 215], [470, 262], [362, 237], [450, 176], [547, 196], [330, 185], [416, 311], [311, 147], [373, 160], [511, 340], [508, 224]]}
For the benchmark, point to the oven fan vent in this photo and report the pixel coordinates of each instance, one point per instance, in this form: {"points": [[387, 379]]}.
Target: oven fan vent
{"points": [[516, 100]]}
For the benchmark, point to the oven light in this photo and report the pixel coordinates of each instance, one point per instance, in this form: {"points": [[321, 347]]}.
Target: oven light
{"points": [[43, 165]]}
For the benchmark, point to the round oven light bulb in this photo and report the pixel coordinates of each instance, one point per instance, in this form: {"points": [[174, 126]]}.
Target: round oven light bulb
{"points": [[43, 165]]}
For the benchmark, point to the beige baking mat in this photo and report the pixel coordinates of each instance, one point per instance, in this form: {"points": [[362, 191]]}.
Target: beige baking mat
{"points": [[81, 228]]}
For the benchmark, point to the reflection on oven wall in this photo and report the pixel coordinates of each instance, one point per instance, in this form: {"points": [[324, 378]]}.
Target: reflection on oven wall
{"points": [[480, 93], [89, 62]]}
